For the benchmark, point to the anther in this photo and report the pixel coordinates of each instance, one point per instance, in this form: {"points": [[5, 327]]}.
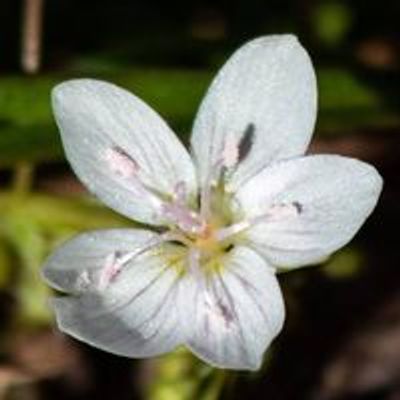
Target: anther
{"points": [[185, 219], [120, 162], [230, 152]]}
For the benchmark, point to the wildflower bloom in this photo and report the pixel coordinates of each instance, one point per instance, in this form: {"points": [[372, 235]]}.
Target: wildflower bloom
{"points": [[220, 223]]}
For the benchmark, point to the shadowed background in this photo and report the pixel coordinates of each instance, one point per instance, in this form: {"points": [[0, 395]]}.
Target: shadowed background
{"points": [[342, 335]]}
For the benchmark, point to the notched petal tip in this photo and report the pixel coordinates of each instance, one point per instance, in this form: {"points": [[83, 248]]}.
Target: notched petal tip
{"points": [[68, 322], [268, 83], [233, 317]]}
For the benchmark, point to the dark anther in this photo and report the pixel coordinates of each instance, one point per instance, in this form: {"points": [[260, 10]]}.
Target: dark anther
{"points": [[228, 248], [177, 243], [246, 142], [226, 313], [118, 254], [298, 206], [123, 153]]}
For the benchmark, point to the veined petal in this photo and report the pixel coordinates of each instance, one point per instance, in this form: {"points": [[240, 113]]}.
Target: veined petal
{"points": [[77, 265], [121, 300], [120, 148], [232, 315], [261, 107], [307, 208]]}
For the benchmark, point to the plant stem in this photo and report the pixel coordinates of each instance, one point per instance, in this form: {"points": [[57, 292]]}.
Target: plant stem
{"points": [[32, 35], [23, 177]]}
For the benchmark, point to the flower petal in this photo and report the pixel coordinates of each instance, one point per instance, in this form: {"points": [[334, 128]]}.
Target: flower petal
{"points": [[308, 207], [263, 102], [232, 315], [120, 148], [128, 308]]}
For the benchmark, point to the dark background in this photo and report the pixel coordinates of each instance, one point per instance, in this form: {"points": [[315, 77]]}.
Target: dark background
{"points": [[342, 334]]}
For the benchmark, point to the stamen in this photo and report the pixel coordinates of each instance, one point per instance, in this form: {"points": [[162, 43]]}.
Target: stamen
{"points": [[233, 152], [275, 213], [280, 211], [210, 182], [116, 261], [179, 214], [112, 267], [232, 230], [180, 193], [246, 142], [120, 162], [126, 167], [185, 219], [230, 152], [299, 207]]}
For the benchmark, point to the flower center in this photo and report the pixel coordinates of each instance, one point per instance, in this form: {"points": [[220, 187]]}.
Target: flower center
{"points": [[200, 230], [207, 242], [206, 232]]}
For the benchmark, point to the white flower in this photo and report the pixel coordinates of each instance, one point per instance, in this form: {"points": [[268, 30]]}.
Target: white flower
{"points": [[246, 204]]}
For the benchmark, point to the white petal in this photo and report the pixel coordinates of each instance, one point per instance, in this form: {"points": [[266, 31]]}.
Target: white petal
{"points": [[77, 264], [113, 141], [134, 314], [268, 87], [232, 315], [313, 205]]}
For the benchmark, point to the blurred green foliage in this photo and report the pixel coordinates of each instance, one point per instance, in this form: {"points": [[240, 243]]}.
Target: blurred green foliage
{"points": [[332, 21], [28, 132], [345, 264], [179, 376], [30, 227]]}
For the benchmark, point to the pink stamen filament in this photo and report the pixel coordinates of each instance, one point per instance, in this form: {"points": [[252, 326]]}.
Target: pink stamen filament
{"points": [[180, 193], [276, 212], [229, 159], [185, 219], [114, 265], [232, 230], [205, 195]]}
